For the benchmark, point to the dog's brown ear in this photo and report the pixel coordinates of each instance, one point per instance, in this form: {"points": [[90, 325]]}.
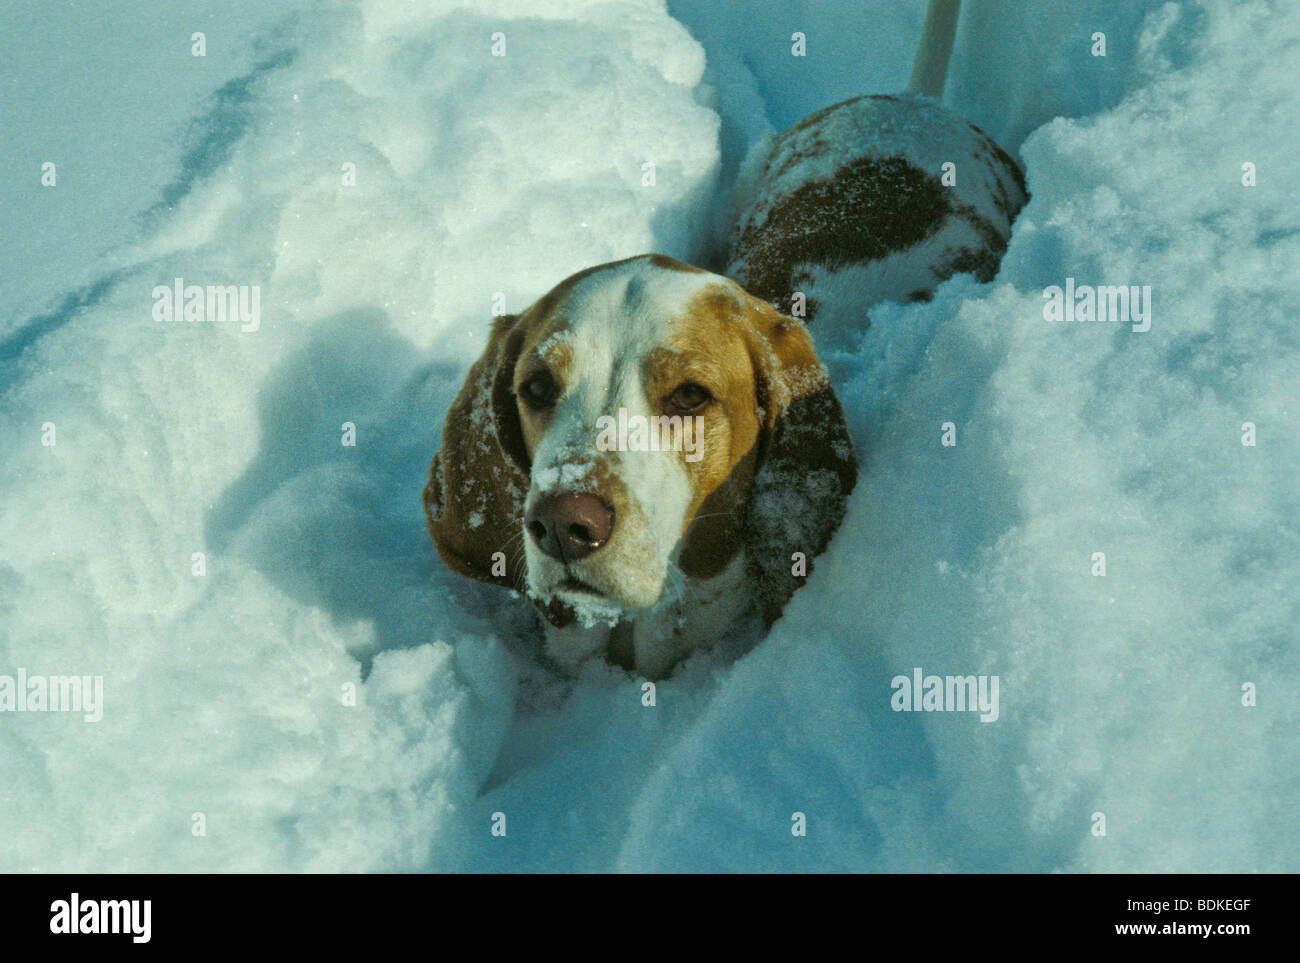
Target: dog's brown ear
{"points": [[806, 466], [479, 478]]}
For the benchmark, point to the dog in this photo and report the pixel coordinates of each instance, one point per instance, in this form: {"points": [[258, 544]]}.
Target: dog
{"points": [[642, 554], [653, 453]]}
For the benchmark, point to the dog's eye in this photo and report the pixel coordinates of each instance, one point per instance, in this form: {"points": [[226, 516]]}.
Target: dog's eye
{"points": [[689, 397], [539, 391]]}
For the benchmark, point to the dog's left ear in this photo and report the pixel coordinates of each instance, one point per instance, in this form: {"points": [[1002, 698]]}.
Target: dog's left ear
{"points": [[478, 481], [806, 466]]}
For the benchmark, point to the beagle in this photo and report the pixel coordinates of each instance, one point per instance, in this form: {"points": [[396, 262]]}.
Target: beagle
{"points": [[652, 452], [639, 551]]}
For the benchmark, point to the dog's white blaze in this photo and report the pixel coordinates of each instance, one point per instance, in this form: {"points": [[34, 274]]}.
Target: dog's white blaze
{"points": [[657, 481]]}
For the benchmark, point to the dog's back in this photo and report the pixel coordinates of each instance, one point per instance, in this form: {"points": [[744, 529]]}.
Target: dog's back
{"points": [[876, 198]]}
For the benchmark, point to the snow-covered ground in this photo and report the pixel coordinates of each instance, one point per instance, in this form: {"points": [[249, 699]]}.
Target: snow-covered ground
{"points": [[229, 738]]}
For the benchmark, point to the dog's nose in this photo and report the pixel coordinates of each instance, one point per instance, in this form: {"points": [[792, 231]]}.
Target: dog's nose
{"points": [[571, 525]]}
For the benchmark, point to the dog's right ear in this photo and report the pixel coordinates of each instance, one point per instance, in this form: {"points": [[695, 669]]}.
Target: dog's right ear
{"points": [[479, 478]]}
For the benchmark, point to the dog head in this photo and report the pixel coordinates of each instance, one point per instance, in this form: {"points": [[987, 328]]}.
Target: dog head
{"points": [[642, 419]]}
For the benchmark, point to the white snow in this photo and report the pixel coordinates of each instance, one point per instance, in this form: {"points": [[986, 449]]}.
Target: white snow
{"points": [[229, 694]]}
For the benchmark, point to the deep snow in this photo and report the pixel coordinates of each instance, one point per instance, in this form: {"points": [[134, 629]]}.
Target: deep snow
{"points": [[480, 176]]}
